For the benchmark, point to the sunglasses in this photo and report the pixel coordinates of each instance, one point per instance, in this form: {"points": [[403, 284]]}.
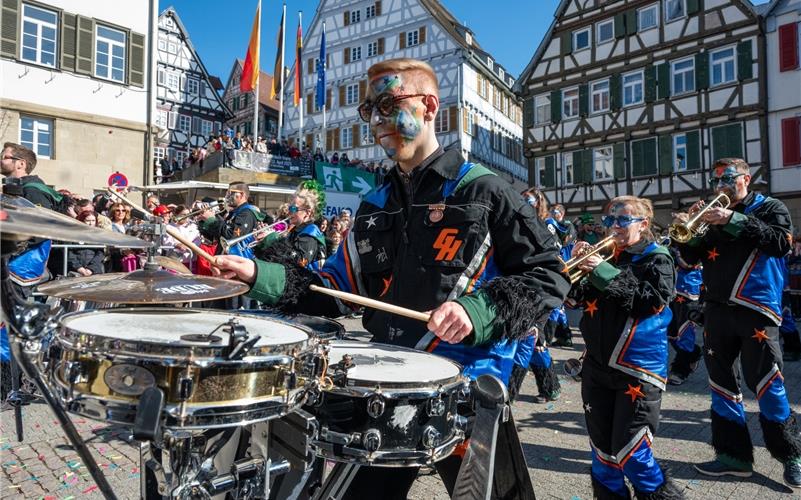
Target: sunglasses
{"points": [[622, 221], [293, 209], [726, 179], [385, 104]]}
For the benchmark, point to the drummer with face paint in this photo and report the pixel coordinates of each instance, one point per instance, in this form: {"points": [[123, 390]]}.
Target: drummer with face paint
{"points": [[441, 234]]}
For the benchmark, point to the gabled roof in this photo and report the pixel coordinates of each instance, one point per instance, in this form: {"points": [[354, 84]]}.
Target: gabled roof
{"points": [[265, 84], [766, 9]]}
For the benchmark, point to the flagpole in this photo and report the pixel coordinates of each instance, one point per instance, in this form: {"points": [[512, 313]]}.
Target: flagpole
{"points": [[281, 96], [258, 68], [325, 100], [300, 88]]}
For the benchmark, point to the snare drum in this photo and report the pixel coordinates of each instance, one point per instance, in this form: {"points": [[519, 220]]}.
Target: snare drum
{"points": [[323, 328], [102, 361], [388, 406]]}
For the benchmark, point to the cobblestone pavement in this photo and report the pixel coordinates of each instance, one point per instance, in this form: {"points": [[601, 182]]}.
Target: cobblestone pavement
{"points": [[553, 436]]}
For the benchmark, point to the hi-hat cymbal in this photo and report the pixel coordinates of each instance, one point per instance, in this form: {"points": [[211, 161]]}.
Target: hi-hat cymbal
{"points": [[20, 222], [143, 287]]}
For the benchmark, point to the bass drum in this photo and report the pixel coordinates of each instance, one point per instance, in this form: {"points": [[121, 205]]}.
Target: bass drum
{"points": [[323, 328]]}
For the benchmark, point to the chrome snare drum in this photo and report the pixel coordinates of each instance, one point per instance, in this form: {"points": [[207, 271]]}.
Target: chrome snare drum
{"points": [[387, 406], [216, 369]]}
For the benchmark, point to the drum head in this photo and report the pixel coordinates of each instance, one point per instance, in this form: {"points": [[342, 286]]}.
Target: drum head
{"points": [[323, 328], [381, 364]]}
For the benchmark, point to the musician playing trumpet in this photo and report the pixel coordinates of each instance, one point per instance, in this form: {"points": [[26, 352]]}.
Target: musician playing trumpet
{"points": [[626, 314], [741, 254]]}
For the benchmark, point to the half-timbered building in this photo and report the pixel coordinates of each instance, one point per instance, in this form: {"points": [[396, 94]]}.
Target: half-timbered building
{"points": [[241, 105], [479, 113], [188, 106], [641, 96]]}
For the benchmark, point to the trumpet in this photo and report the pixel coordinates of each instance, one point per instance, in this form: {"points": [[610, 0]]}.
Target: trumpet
{"points": [[572, 265], [683, 233], [216, 209], [280, 226]]}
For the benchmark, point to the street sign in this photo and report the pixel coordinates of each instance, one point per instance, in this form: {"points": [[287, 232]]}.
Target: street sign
{"points": [[344, 179], [117, 179]]}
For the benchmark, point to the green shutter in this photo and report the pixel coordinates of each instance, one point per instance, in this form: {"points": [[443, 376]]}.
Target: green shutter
{"points": [[615, 92], [643, 157], [663, 80], [584, 100], [556, 106], [566, 43], [650, 83], [136, 64], [548, 177], [586, 165], [702, 70], [86, 46], [9, 28], [727, 142], [69, 37], [666, 154], [693, 150], [620, 160], [631, 22], [528, 112], [694, 6], [745, 61], [578, 171], [620, 25]]}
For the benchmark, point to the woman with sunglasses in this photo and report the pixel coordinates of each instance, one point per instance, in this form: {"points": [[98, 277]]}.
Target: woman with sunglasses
{"points": [[626, 314]]}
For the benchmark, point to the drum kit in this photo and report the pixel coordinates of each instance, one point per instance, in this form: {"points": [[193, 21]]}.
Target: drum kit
{"points": [[228, 404]]}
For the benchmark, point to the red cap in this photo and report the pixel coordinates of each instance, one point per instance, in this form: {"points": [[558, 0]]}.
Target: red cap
{"points": [[161, 210]]}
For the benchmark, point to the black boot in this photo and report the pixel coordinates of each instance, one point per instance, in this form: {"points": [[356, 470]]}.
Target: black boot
{"points": [[547, 384], [601, 492], [781, 438], [668, 491]]}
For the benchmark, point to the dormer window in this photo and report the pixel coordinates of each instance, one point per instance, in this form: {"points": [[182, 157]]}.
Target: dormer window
{"points": [[468, 38], [501, 74], [489, 62]]}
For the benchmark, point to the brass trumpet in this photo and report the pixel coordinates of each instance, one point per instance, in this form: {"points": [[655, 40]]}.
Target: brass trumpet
{"points": [[217, 209], [275, 226], [572, 265], [683, 233]]}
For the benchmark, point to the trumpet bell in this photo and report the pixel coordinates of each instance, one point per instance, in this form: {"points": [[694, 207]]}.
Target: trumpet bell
{"points": [[680, 233]]}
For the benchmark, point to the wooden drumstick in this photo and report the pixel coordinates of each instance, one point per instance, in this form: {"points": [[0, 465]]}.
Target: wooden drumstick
{"points": [[374, 304]]}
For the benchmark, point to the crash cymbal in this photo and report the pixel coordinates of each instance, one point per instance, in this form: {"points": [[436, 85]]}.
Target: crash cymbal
{"points": [[21, 221], [143, 287], [171, 264]]}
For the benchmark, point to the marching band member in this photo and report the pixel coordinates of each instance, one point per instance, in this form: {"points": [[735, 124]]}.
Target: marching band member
{"points": [[742, 255], [440, 234], [240, 220], [624, 372]]}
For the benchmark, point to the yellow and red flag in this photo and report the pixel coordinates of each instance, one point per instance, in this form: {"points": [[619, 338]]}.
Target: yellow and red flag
{"points": [[250, 70], [279, 61], [298, 66]]}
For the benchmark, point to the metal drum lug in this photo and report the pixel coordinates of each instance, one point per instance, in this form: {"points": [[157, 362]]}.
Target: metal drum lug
{"points": [[435, 407], [185, 388], [376, 406], [371, 440], [431, 437]]}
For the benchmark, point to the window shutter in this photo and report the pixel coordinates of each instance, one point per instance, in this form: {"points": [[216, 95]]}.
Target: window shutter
{"points": [[69, 28], [402, 40], [346, 55], [356, 133], [650, 83], [336, 138], [693, 150], [341, 96], [788, 47], [309, 107], [643, 157], [453, 117], [422, 34], [378, 8], [727, 141], [9, 28], [631, 22], [329, 140], [615, 92], [745, 61], [380, 45], [362, 90], [620, 25], [346, 15], [586, 165], [578, 172], [328, 97], [478, 83], [548, 178], [702, 70], [791, 141], [310, 66], [465, 125], [556, 106], [566, 43], [245, 99], [694, 6], [584, 100], [309, 140], [172, 117], [666, 154], [663, 80], [619, 161], [86, 46], [528, 112], [195, 125], [136, 61]]}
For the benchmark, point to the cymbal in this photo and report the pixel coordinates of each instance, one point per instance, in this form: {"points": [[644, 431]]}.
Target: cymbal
{"points": [[143, 287], [172, 264], [20, 221]]}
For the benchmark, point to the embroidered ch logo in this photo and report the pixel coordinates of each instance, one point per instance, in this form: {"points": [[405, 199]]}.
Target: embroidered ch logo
{"points": [[447, 244]]}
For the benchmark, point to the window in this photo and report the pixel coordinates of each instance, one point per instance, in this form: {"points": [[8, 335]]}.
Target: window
{"points": [[496, 98], [367, 135], [581, 39], [674, 9], [180, 157], [184, 122], [605, 31], [471, 122], [161, 118], [602, 163], [539, 168], [172, 47], [369, 12], [355, 54], [600, 96], [542, 109], [570, 103], [683, 76], [372, 49], [37, 134], [352, 94], [355, 16], [205, 128], [679, 153], [723, 66], [346, 137], [632, 88], [39, 30], [192, 86], [412, 38], [158, 154], [501, 73], [567, 168], [442, 121], [110, 54], [483, 90], [173, 81], [162, 46], [648, 17]]}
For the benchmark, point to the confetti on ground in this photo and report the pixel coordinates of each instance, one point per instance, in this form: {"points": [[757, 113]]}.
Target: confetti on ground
{"points": [[549, 407], [89, 489]]}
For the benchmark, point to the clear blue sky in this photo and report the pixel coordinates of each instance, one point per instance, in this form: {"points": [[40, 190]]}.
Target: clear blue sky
{"points": [[510, 30]]}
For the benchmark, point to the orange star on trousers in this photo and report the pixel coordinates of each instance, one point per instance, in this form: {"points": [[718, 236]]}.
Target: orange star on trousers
{"points": [[759, 335], [680, 299], [635, 392], [591, 308], [712, 254]]}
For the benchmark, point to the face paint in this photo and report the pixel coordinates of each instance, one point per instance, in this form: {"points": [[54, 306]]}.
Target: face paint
{"points": [[386, 83], [409, 126]]}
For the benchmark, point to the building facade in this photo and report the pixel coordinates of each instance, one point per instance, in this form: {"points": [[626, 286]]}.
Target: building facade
{"points": [[241, 105], [188, 106], [74, 88], [640, 97], [479, 113]]}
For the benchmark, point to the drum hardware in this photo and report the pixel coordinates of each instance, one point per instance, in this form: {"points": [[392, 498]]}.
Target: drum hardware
{"points": [[371, 440], [682, 233], [376, 406], [572, 266], [431, 437], [435, 407], [572, 368]]}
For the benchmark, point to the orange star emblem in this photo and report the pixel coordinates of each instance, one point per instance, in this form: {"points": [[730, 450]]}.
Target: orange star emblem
{"points": [[592, 307], [712, 254], [635, 392], [680, 299], [759, 335], [387, 282]]}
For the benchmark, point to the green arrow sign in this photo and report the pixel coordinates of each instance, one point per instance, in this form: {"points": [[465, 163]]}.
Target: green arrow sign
{"points": [[345, 179]]}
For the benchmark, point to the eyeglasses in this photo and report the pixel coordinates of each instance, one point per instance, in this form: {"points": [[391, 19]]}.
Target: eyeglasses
{"points": [[12, 158], [725, 179], [120, 210], [293, 209], [385, 104], [622, 221]]}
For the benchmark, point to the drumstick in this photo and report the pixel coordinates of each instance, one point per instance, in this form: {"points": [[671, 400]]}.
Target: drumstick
{"points": [[374, 304]]}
